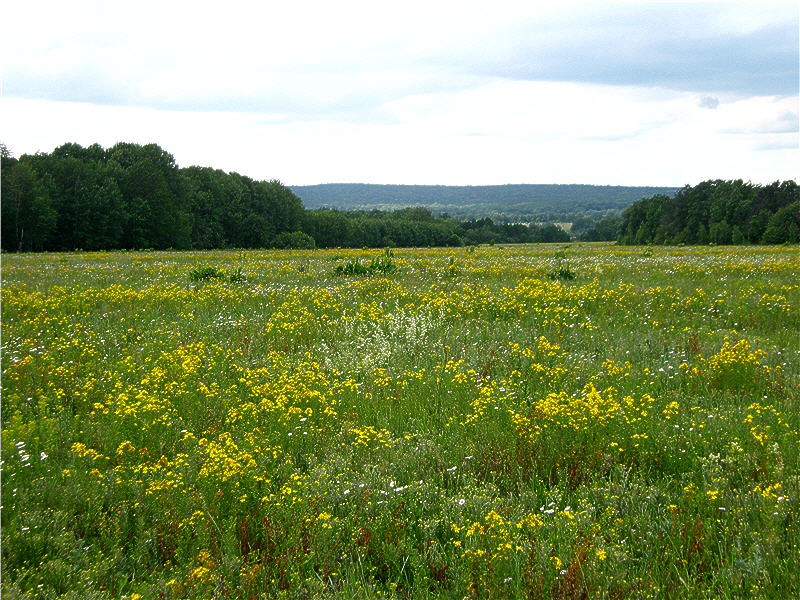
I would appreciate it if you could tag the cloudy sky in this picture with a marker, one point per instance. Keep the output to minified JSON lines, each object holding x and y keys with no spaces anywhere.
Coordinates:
{"x":612,"y":92}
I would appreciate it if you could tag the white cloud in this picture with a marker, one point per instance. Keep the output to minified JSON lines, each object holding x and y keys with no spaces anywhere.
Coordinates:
{"x":504,"y":132}
{"x":443,"y":92}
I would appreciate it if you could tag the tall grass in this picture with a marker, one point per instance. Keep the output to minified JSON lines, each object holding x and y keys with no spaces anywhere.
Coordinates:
{"x":460,"y":423}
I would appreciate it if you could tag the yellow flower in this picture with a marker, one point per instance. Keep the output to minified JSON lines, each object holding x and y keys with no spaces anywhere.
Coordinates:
{"x":556,"y":562}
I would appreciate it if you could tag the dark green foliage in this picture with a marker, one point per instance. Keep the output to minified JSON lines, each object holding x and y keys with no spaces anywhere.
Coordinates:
{"x":28,"y":216}
{"x":501,"y":203}
{"x":205,"y":273}
{"x":784,"y":226}
{"x":131,"y":196}
{"x":383,"y":263}
{"x":562,"y":272}
{"x":548,"y":234}
{"x":417,"y":228}
{"x":352,"y":267}
{"x":208,"y":273}
{"x":380,"y":264}
{"x":605,"y":230}
{"x":236,"y":275}
{"x":296,"y":240}
{"x":716,"y":212}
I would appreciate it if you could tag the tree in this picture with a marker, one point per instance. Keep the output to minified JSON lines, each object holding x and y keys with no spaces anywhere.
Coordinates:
{"x":157,"y":209}
{"x":720,"y":233}
{"x":27,"y":212}
{"x":784,"y":226}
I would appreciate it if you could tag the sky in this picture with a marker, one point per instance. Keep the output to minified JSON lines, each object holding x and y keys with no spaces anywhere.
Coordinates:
{"x":435,"y":92}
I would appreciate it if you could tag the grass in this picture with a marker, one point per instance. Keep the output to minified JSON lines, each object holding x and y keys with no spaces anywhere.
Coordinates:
{"x":464,"y":423}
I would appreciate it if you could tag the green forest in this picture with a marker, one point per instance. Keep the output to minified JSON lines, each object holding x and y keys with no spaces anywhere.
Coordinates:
{"x":511,"y":203}
{"x":714,"y":212}
{"x":134,"y":196}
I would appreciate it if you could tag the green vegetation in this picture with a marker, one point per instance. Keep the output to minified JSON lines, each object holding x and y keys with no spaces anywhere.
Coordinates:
{"x":208,"y":273}
{"x":135,"y":197}
{"x":502,"y":203}
{"x":716,"y":212}
{"x":417,"y":228}
{"x":463,"y":422}
{"x":380,"y":264}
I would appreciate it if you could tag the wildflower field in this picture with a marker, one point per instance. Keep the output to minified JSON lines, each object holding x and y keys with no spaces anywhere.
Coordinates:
{"x":580,"y":421}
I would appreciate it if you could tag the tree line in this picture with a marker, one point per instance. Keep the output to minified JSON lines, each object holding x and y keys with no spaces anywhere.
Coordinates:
{"x":712,"y":212}
{"x":502,"y":203}
{"x":132,"y":196}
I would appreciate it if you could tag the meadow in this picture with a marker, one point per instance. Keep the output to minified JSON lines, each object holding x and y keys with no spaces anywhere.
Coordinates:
{"x":543,"y":421}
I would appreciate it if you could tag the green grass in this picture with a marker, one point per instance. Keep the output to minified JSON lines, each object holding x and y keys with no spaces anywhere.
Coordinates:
{"x":467,"y":422}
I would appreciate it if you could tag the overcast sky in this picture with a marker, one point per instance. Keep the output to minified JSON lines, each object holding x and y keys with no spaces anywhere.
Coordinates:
{"x":469,"y":93}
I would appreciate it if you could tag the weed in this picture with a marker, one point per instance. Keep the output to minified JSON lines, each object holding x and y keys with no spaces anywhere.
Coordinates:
{"x":562,"y":272}
{"x":207,"y":273}
{"x":384,"y":263}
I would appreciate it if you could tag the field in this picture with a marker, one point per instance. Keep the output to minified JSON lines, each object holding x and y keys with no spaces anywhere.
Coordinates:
{"x":581,"y":421}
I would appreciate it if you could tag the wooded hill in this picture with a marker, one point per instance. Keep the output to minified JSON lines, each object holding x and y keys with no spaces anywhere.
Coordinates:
{"x":132,"y":197}
{"x":506,"y":203}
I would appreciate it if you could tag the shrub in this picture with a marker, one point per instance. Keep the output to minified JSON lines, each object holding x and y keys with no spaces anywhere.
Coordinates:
{"x":207,"y":273}
{"x":381,"y":264}
{"x":296,"y":240}
{"x":562,"y":272}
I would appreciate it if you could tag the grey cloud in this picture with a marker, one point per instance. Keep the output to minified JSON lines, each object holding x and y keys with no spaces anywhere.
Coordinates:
{"x":71,"y":86}
{"x":674,"y":46}
{"x":348,"y":97}
{"x":657,"y":45}
{"x":711,"y":102}
{"x":787,"y":122}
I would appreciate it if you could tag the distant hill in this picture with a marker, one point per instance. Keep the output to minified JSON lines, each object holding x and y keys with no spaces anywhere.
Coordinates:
{"x":503,"y":202}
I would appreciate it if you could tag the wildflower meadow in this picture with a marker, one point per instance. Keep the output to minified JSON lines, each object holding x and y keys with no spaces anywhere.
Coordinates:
{"x":534,"y":421}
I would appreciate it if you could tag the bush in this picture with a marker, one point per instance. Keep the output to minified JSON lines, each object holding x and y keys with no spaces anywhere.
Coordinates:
{"x":562,"y":272}
{"x":205,"y":273}
{"x":381,"y":264}
{"x":208,"y":273}
{"x":294,"y":240}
